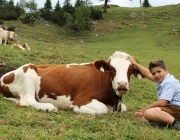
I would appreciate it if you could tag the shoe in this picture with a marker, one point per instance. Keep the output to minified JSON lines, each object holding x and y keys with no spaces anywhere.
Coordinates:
{"x":176,"y":125}
{"x":156,"y":124}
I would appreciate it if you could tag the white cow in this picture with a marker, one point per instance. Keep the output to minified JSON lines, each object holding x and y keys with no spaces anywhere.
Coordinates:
{"x":5,"y":36}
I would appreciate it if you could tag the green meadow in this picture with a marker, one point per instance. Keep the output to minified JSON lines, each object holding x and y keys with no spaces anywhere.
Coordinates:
{"x":144,"y":33}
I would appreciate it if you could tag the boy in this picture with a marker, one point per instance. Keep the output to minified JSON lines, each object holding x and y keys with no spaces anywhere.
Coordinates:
{"x":165,"y":111}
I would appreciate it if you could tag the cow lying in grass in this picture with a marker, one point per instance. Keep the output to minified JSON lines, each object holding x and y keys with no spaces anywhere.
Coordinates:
{"x":21,"y":47}
{"x":93,"y":88}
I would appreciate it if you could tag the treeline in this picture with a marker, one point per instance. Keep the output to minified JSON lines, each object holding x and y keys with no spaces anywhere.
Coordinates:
{"x":78,"y":17}
{"x":10,"y":12}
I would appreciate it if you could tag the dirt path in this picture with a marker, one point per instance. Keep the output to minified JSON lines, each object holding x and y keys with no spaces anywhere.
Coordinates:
{"x":4,"y":69}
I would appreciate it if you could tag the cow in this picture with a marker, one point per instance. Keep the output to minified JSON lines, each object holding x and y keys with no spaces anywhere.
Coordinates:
{"x":21,"y":47}
{"x":13,"y":40}
{"x":3,"y":27}
{"x":5,"y":36}
{"x":93,"y":88}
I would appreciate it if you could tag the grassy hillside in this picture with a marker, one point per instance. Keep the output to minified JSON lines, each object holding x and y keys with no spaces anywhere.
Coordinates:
{"x":145,"y":33}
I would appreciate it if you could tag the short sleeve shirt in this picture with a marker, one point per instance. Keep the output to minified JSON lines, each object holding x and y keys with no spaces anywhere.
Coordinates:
{"x":169,"y":89}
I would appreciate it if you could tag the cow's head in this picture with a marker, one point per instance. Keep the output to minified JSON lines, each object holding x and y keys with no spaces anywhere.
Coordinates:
{"x":124,"y":70}
{"x":25,"y":46}
{"x":11,"y":35}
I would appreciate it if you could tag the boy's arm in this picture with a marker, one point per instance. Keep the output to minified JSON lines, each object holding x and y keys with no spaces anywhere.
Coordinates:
{"x":159,"y":103}
{"x":141,"y":68}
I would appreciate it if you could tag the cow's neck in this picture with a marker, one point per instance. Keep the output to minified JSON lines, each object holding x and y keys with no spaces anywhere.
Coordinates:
{"x":117,"y":99}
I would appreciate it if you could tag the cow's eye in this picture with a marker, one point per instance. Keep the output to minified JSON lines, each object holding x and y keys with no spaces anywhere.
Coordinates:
{"x":111,"y":68}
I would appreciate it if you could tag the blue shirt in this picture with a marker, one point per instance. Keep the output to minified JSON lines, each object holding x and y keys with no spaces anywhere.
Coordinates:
{"x":169,"y":89}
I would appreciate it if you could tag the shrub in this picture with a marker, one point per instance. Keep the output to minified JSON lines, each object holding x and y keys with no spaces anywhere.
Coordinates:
{"x":58,"y":16}
{"x":45,"y":13}
{"x":11,"y":28}
{"x":96,"y":13}
{"x":10,"y":15}
{"x":80,"y":20}
{"x":10,"y":12}
{"x":31,"y":18}
{"x":1,"y":21}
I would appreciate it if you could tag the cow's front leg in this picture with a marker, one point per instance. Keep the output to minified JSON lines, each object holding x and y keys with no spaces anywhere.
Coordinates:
{"x":121,"y":107}
{"x":1,"y":41}
{"x":94,"y":107}
{"x":4,"y":42}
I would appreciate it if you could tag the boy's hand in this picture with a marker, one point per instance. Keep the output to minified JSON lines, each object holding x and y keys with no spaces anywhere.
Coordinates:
{"x":130,"y":58}
{"x":138,"y":114}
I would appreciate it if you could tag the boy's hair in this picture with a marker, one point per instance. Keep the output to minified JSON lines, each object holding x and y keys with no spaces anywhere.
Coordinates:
{"x":157,"y":63}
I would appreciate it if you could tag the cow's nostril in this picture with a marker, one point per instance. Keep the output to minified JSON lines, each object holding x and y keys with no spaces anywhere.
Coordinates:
{"x":122,"y":83}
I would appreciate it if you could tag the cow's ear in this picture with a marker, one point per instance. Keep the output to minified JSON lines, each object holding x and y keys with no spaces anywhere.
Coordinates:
{"x":102,"y":66}
{"x":136,"y":72}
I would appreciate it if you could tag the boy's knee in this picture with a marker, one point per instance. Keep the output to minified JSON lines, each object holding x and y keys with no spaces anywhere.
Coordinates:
{"x":148,"y":113}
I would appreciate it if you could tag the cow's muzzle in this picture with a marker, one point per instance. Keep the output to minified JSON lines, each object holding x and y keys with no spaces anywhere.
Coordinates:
{"x":122,"y":91}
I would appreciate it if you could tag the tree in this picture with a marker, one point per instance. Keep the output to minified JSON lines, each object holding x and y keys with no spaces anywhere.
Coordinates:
{"x":146,"y":3}
{"x":48,"y":5}
{"x":11,"y":2}
{"x":105,"y":5}
{"x":31,"y":5}
{"x":10,"y":12}
{"x":57,"y":7}
{"x":33,"y":14}
{"x":80,"y":20}
{"x":139,"y":2}
{"x":79,"y":3}
{"x":2,"y":3}
{"x":68,"y":7}
{"x":22,"y":3}
{"x":67,"y":2}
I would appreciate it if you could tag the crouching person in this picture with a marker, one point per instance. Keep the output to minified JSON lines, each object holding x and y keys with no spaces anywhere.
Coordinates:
{"x":166,"y":111}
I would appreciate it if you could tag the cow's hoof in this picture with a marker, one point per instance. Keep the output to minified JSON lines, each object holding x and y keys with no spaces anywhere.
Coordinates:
{"x":20,"y":105}
{"x":55,"y":110}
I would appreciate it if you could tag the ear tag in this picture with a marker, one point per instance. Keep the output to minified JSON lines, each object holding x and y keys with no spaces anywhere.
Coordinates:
{"x":101,"y":69}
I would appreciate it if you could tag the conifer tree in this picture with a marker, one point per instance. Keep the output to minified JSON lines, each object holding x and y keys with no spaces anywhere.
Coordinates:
{"x":11,"y":2}
{"x":57,"y":7}
{"x":68,"y":7}
{"x":2,"y":3}
{"x":48,"y":5}
{"x":79,"y":3}
{"x":146,"y":3}
{"x":22,"y":3}
{"x":66,"y":2}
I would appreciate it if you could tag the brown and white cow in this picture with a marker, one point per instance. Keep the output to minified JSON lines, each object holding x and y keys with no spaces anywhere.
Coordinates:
{"x":93,"y":88}
{"x":21,"y":47}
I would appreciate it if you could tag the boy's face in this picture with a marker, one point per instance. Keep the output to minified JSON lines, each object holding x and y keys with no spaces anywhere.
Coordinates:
{"x":158,"y":73}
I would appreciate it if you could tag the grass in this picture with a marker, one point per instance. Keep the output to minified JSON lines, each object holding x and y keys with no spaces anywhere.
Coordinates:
{"x":145,"y":33}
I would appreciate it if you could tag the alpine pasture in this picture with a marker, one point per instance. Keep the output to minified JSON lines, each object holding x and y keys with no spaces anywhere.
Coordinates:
{"x":145,"y":33}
